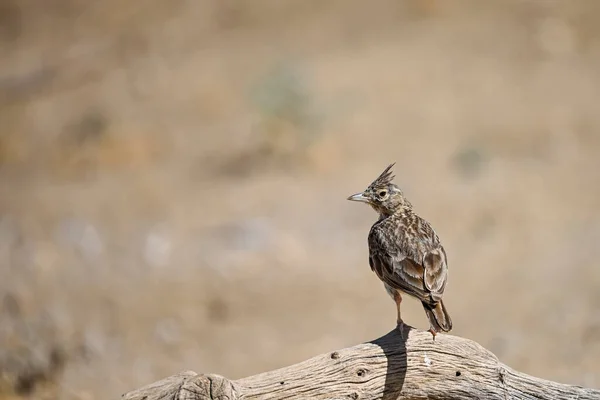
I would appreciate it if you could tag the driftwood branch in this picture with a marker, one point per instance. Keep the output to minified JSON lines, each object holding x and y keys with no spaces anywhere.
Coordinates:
{"x":451,"y":368}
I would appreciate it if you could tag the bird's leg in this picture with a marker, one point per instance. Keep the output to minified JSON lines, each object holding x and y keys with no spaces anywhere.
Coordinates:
{"x":398,"y":300}
{"x":399,"y":322}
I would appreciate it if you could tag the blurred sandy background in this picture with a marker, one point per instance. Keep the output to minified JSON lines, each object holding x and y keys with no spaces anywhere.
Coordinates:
{"x":173,"y":177}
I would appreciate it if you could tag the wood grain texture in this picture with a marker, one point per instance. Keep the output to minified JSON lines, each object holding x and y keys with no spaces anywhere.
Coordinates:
{"x":451,"y":368}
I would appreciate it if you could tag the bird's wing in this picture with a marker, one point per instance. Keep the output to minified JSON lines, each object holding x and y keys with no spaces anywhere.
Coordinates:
{"x":401,"y":269}
{"x":436,"y":271}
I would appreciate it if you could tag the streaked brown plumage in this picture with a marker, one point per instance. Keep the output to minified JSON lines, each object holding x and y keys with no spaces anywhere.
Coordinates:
{"x":405,"y":252}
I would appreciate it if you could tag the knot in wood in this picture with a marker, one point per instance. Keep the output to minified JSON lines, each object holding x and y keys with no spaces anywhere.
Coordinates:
{"x":361,"y":372}
{"x":209,"y":387}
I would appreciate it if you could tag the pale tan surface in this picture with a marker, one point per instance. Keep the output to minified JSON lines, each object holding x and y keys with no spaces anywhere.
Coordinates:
{"x":396,"y":366}
{"x":155,"y":217}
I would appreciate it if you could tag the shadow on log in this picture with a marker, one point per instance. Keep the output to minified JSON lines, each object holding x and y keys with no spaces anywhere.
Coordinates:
{"x":451,"y":368}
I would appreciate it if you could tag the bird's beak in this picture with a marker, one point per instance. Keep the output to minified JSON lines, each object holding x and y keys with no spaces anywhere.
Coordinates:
{"x":359,"y":197}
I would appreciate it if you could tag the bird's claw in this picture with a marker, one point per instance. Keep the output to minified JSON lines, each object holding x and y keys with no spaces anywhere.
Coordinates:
{"x":401,"y":326}
{"x":433,"y":333}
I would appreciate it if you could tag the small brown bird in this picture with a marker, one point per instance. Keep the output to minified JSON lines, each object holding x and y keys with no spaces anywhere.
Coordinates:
{"x":405,"y":252}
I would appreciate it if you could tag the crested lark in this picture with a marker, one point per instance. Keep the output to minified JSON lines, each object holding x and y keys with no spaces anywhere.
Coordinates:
{"x":405,"y":252}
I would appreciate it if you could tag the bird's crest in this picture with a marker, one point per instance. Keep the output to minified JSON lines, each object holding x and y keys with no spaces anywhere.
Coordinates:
{"x":385,"y":178}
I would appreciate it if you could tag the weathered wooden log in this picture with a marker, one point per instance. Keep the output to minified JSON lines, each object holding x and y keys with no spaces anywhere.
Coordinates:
{"x":391,"y":367}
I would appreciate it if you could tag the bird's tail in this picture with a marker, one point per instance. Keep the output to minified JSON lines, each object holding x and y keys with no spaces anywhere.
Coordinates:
{"x":438,"y":316}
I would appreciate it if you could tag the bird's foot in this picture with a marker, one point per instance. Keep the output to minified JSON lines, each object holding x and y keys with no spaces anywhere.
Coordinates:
{"x":433,"y":333}
{"x":402,"y":328}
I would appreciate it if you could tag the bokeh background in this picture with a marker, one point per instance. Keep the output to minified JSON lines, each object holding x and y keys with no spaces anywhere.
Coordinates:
{"x":174,"y":174}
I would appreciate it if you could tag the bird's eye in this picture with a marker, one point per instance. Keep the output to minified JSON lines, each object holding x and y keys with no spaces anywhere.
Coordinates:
{"x":382,"y":193}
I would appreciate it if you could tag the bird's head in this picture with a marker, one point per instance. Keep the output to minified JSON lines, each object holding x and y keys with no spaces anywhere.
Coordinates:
{"x":385,"y":197}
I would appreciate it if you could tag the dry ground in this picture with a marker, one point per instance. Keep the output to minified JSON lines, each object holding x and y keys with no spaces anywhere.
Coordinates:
{"x":173,"y":177}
